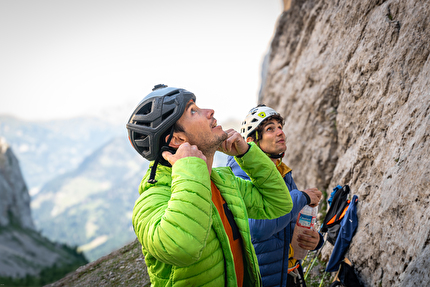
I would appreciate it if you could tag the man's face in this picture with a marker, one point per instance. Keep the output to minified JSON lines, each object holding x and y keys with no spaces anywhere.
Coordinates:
{"x":273,"y":139}
{"x":201,"y":129}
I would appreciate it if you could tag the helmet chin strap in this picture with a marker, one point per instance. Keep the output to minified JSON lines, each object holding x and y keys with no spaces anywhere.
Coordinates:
{"x":160,"y":158}
{"x":276,"y":156}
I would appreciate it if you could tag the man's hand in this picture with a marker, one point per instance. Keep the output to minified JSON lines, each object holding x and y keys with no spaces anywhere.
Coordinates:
{"x":309,"y":239}
{"x":315,"y":196}
{"x":184,"y":150}
{"x":234,"y":145}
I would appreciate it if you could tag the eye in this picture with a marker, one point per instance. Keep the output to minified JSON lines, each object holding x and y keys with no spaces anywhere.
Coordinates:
{"x":193,"y":111}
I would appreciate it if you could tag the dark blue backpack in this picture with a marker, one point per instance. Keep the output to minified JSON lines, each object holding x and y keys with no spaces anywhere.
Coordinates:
{"x":339,"y":204}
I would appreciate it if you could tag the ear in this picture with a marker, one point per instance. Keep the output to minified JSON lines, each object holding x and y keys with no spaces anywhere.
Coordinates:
{"x":177,"y":140}
{"x":249,"y":139}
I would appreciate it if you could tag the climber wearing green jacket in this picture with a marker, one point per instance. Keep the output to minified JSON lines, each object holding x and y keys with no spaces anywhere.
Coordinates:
{"x":192,"y":219}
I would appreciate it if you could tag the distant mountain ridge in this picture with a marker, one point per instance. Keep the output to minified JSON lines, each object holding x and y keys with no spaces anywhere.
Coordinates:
{"x":46,"y":149}
{"x":91,"y":206}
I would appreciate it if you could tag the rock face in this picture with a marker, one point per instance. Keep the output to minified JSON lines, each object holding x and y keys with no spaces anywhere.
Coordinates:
{"x":14,"y":197}
{"x":23,"y":251}
{"x":352,"y":79}
{"x":123,"y":267}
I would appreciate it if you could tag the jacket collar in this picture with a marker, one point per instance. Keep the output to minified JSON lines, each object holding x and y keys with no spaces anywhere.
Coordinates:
{"x":282,"y":168}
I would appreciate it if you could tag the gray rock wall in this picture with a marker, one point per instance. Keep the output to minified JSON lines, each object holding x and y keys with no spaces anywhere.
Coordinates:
{"x":14,"y":197}
{"x":23,"y":250}
{"x":352,"y":79}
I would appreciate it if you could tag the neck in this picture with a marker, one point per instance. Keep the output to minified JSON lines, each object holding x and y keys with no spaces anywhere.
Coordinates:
{"x":275,"y":160}
{"x":209,"y":154}
{"x":209,"y":162}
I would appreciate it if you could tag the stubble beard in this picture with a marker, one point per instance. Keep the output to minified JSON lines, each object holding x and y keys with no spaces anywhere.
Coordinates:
{"x":208,"y":146}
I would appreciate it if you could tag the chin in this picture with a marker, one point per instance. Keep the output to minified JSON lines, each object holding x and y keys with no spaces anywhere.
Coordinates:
{"x":221,"y":132}
{"x":224,"y":136}
{"x":282,"y":150}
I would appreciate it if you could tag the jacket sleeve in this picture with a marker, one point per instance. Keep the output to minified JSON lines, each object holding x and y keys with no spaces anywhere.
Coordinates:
{"x":266,"y":196}
{"x":321,"y":242}
{"x":263,"y":229}
{"x":235,"y":168}
{"x":173,"y":222}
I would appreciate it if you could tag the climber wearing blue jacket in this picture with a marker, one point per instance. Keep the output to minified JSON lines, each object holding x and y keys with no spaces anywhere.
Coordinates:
{"x":272,"y":237}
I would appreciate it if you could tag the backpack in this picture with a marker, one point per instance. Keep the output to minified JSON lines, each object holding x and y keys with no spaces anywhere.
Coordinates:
{"x":339,"y":204}
{"x":346,"y":276}
{"x":340,"y":224}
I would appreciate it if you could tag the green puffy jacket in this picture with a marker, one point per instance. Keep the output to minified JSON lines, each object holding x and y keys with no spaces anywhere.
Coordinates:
{"x":182,"y":235}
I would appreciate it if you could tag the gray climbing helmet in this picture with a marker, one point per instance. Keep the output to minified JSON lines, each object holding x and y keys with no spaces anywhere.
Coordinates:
{"x":154,"y":117}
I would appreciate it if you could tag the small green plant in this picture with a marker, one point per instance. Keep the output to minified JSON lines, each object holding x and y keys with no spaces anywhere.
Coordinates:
{"x":316,"y":276}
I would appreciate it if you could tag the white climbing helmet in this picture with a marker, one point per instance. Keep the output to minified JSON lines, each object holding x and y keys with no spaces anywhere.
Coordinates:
{"x":254,"y":118}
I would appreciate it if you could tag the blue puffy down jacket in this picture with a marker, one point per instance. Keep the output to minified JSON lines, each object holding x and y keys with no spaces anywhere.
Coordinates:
{"x":271,"y":237}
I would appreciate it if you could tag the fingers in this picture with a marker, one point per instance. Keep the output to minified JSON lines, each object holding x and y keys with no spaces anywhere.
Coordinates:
{"x":308,"y":240}
{"x":184,"y":150}
{"x":234,"y":144}
{"x":315,"y":196}
{"x":222,"y":147}
{"x":187,"y":150}
{"x":311,"y":233}
{"x":231,"y":138}
{"x":167,"y":156}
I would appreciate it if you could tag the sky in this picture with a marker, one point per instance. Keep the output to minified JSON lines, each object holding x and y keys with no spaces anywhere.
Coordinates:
{"x":61,"y":59}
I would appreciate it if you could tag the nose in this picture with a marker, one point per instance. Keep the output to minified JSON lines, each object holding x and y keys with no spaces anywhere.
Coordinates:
{"x":280,"y":132}
{"x":209,"y":113}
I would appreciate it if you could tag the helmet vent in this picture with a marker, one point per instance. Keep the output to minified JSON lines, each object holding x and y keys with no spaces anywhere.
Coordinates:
{"x":146,"y":109}
{"x":167,"y":114}
{"x":141,"y":141}
{"x":145,"y":124}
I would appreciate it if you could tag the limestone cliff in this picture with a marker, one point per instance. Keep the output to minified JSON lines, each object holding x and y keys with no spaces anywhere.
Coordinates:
{"x":353,"y":81}
{"x":23,"y":250}
{"x":14,"y":197}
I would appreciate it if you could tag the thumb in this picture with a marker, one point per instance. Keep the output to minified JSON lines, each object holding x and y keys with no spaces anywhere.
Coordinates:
{"x":167,"y":155}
